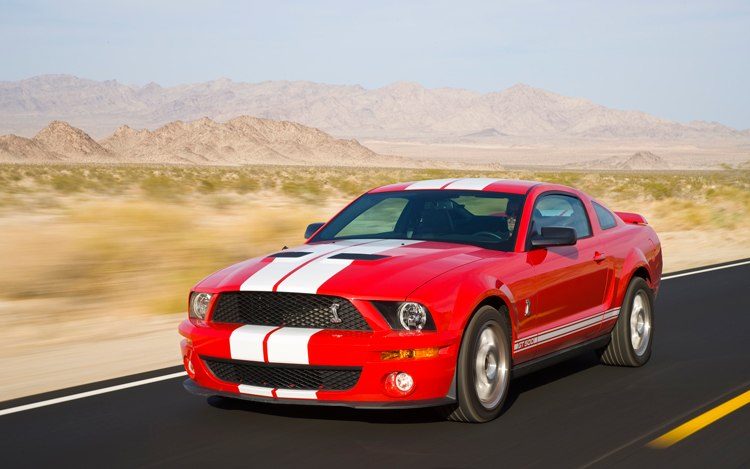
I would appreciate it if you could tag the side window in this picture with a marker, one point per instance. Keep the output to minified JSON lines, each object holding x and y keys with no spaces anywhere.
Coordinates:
{"x":606,"y":219}
{"x":560,"y":210}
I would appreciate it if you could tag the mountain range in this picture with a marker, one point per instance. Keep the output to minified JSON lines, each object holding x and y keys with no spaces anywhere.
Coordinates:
{"x":401,"y":111}
{"x":242,"y":140}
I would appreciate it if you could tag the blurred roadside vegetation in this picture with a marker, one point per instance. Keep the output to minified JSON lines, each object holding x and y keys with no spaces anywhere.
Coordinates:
{"x":77,"y":239}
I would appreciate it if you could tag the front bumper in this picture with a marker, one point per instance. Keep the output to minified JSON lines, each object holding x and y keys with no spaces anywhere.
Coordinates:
{"x":193,"y":388}
{"x":433,"y":377}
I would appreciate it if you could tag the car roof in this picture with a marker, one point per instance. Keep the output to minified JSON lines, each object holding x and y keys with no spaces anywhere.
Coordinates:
{"x":511,"y":186}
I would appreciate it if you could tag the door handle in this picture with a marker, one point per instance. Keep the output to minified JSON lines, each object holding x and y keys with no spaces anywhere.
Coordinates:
{"x":599,"y":256}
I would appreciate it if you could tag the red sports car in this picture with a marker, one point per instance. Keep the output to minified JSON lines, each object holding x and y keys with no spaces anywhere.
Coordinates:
{"x":429,"y":293}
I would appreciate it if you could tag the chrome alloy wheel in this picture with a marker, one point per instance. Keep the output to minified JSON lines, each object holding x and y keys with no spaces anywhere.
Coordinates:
{"x":640,"y":323}
{"x":491,"y":366}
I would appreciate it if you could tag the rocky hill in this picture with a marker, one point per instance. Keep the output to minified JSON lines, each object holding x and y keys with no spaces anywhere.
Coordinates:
{"x":242,"y":140}
{"x":19,"y":149}
{"x":69,"y":142}
{"x":58,"y":141}
{"x":401,"y":111}
{"x":639,"y":161}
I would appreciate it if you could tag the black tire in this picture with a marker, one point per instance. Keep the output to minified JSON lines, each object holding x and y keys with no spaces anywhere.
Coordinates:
{"x":621,"y":350}
{"x":470,"y":407}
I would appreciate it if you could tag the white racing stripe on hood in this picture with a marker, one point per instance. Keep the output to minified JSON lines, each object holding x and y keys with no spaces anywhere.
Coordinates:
{"x":429,"y":184}
{"x":309,"y":278}
{"x":476,"y":184}
{"x":269,"y":275}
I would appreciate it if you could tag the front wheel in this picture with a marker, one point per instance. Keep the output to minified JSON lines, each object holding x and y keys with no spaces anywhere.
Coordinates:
{"x":632,"y":337}
{"x":483,"y":368}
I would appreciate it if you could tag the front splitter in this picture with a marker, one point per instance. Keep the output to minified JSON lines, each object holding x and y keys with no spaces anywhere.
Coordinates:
{"x":192,"y":387}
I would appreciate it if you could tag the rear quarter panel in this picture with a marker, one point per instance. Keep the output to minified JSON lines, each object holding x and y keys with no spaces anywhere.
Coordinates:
{"x":632,"y":247}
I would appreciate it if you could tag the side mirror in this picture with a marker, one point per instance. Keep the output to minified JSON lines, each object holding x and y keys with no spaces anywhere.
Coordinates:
{"x":554,"y":236}
{"x":312,"y":228}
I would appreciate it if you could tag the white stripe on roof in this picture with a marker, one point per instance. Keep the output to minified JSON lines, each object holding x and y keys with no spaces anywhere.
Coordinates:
{"x":476,"y":184}
{"x":429,"y":184}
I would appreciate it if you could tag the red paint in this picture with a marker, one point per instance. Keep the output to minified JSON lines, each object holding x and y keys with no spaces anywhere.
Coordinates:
{"x":564,"y":285}
{"x":632,"y":218}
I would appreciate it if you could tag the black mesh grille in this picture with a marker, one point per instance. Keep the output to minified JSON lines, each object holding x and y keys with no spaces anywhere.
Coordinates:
{"x":287,"y":309}
{"x":284,"y":376}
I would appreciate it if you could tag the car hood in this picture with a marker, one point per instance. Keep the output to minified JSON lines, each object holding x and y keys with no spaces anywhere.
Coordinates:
{"x":373,"y":269}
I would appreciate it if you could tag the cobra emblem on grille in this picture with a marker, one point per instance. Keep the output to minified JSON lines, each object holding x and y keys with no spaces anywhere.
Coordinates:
{"x":334,"y":309}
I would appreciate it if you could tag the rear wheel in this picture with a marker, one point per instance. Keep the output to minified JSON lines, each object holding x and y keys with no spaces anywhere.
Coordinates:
{"x":632,"y":337}
{"x":483,"y":368}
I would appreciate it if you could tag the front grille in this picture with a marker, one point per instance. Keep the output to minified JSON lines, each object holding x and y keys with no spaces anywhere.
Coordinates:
{"x":287,"y":309}
{"x":284,"y":376}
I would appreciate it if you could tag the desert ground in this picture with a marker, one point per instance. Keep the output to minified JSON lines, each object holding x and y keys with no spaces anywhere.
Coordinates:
{"x":98,"y":259}
{"x":612,"y":154}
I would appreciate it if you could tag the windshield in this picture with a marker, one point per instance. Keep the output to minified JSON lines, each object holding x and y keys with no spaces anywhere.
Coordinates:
{"x":486,"y":219}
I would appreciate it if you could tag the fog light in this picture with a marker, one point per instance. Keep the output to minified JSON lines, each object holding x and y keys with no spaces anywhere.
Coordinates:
{"x":399,"y":384}
{"x":404,"y":382}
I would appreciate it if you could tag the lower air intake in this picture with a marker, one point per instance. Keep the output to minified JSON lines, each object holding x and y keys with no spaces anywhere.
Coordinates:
{"x":284,"y":376}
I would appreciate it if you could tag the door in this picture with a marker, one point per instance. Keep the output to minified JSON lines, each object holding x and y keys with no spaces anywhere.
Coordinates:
{"x":571,"y":281}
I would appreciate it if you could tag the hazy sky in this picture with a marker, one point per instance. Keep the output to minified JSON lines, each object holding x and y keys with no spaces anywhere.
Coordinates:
{"x":678,"y":60}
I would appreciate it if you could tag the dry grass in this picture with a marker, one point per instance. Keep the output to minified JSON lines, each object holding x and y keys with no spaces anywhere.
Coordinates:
{"x":97,"y":259}
{"x":83,"y":239}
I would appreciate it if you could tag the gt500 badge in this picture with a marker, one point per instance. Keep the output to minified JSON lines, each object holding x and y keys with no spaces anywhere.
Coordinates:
{"x":524,"y":343}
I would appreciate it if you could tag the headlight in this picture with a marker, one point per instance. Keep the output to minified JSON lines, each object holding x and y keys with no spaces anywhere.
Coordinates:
{"x":199,"y":305}
{"x":412,"y":316}
{"x":409,"y":316}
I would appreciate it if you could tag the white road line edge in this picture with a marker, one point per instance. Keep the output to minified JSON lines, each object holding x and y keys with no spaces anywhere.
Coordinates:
{"x":81,"y":395}
{"x":710,"y":269}
{"x":118,"y":387}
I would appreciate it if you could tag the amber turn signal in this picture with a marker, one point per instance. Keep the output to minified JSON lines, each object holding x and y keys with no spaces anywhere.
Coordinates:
{"x":410,"y":354}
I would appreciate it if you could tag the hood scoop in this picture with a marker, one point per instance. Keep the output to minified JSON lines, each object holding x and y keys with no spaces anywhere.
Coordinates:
{"x":289,"y":254}
{"x":353,"y":256}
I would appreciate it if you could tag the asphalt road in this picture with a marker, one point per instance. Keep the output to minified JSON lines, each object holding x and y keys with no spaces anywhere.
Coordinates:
{"x":575,"y":414}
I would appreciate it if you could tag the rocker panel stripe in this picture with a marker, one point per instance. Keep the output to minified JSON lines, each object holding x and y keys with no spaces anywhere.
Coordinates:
{"x":564,"y":330}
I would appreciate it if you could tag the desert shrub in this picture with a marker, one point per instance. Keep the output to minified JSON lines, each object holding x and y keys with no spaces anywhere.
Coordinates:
{"x":68,"y":183}
{"x":303,"y":187}
{"x":99,"y":232}
{"x":206,"y":186}
{"x":161,"y":187}
{"x":657,"y":190}
{"x":245,"y":183}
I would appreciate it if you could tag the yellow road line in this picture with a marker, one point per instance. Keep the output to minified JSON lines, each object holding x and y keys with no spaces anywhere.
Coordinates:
{"x":700,"y":422}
